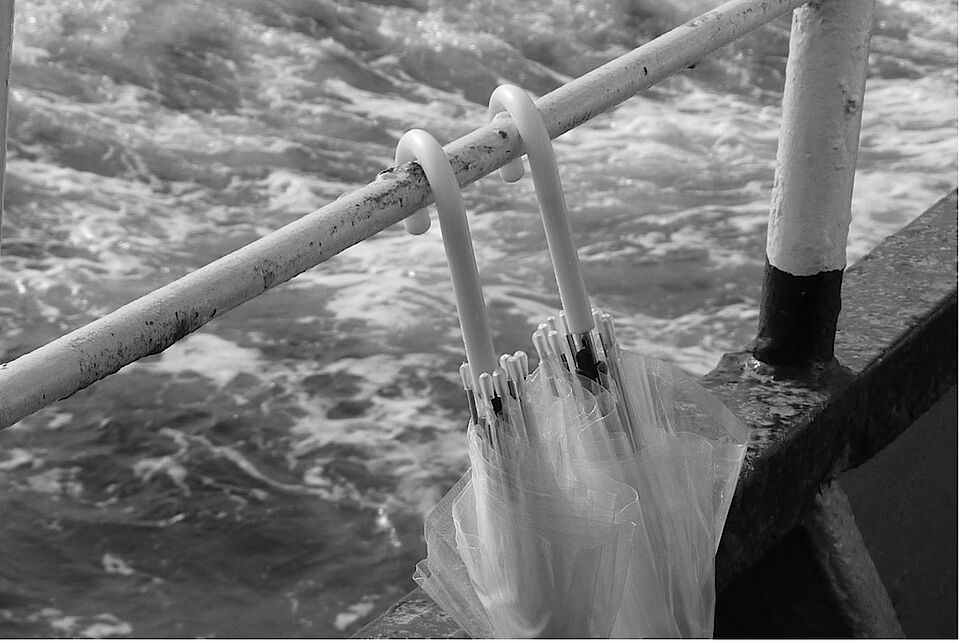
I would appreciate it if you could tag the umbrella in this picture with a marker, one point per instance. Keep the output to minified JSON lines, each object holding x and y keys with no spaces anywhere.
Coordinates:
{"x":519,"y":547}
{"x":681,"y":450}
{"x":663,"y":435}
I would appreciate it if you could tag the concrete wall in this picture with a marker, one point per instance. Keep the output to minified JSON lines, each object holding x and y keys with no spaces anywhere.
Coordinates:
{"x":905,"y":504}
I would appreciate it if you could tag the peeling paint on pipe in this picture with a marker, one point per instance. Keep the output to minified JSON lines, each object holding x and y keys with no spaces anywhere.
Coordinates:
{"x":819,"y":136}
{"x":813,"y":185}
{"x":155,"y":321}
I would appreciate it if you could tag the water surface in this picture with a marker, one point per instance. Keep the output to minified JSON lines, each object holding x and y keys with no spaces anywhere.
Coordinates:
{"x":268,"y":475}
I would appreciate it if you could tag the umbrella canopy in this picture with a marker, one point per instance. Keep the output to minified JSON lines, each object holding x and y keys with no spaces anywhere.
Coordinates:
{"x":598,"y":485}
{"x":663,"y":435}
{"x":681,"y":450}
{"x":520,"y":547}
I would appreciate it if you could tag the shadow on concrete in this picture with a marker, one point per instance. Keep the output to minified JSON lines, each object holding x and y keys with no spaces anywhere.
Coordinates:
{"x":904,"y":500}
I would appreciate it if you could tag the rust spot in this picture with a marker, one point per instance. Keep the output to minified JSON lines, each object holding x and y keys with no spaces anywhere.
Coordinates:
{"x":268,"y":272}
{"x":180,"y":330}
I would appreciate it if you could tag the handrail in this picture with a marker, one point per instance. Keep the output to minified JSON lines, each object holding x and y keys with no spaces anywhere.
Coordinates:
{"x":157,"y":320}
{"x":6,"y":55}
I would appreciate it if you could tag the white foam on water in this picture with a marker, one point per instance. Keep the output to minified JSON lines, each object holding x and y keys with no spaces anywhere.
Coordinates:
{"x":59,"y":420}
{"x":106,"y":626}
{"x":374,"y":296}
{"x":168,"y":465}
{"x":396,"y":281}
{"x":694,"y":341}
{"x":56,"y":481}
{"x":294,"y":193}
{"x":353,"y":613}
{"x":314,"y":482}
{"x":445,"y":118}
{"x":211,"y":356}
{"x":908,"y":156}
{"x":678,"y":177}
{"x":19,"y":458}
{"x":101,"y":625}
{"x":113,"y":564}
{"x":411,"y":463}
{"x":228,"y":453}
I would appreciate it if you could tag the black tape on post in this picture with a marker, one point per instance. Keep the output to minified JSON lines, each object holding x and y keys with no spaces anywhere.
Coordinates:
{"x":813,"y":185}
{"x":798,"y":317}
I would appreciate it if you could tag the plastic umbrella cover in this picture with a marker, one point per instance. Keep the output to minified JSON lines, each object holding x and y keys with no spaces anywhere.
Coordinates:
{"x":524,"y":546}
{"x":598,"y":487}
{"x":681,"y":449}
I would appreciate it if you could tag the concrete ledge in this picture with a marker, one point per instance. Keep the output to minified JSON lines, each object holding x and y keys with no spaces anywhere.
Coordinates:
{"x":415,"y":616}
{"x":912,"y":484}
{"x":896,"y":352}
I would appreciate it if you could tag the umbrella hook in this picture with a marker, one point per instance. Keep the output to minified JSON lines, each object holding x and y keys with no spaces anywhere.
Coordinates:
{"x":553,"y":212}
{"x":418,"y":145}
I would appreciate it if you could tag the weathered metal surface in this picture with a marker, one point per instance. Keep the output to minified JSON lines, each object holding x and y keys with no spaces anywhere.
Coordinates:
{"x":415,"y":616}
{"x":897,"y":351}
{"x":798,"y":317}
{"x":6,"y":54}
{"x":819,"y":581}
{"x":819,"y":136}
{"x":902,"y":295}
{"x":155,"y":321}
{"x":813,"y":183}
{"x":905,"y":503}
{"x":854,"y":583}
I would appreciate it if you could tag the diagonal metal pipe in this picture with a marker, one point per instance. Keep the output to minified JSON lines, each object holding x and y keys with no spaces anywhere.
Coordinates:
{"x":6,"y":54}
{"x":157,"y":320}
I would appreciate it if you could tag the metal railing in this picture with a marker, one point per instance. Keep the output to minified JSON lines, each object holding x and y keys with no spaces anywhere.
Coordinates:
{"x":826,"y":83}
{"x":6,"y":55}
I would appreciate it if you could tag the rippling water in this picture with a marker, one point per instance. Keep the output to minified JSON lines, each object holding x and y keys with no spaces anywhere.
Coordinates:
{"x":268,"y":475}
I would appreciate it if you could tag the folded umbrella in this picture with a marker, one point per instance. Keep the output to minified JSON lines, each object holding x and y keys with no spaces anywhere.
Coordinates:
{"x":681,"y":450}
{"x":663,"y":435}
{"x":519,"y":547}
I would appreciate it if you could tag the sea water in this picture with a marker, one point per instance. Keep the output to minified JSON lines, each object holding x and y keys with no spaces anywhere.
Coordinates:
{"x":269,"y":474}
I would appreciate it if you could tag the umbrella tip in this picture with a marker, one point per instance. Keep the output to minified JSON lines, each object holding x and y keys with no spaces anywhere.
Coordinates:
{"x":524,"y":362}
{"x":466,"y":376}
{"x":418,"y":222}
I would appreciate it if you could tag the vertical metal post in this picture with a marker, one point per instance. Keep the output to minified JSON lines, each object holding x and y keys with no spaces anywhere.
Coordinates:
{"x":813,"y":184}
{"x":6,"y":53}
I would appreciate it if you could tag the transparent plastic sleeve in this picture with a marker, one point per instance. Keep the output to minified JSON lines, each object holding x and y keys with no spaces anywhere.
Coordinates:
{"x":525,"y":546}
{"x":601,"y":519}
{"x":682,"y":452}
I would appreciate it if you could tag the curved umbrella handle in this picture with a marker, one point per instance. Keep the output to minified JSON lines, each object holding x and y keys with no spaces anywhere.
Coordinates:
{"x":420,"y":146}
{"x":553,"y":208}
